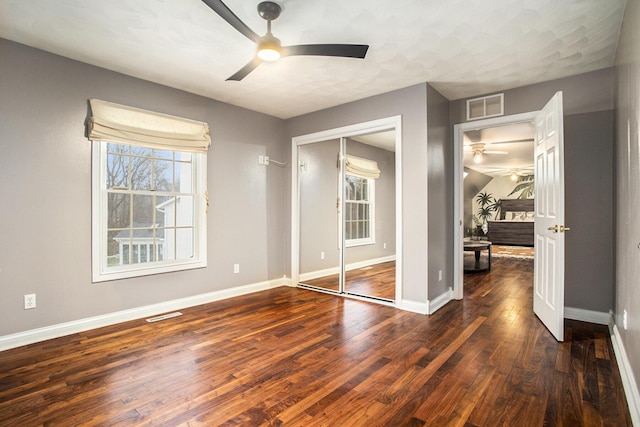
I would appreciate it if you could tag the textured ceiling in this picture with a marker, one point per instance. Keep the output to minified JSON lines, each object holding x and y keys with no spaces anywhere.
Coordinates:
{"x":462,"y":47}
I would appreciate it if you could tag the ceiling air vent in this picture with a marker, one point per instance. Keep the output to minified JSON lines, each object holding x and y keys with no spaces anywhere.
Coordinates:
{"x":487,"y":106}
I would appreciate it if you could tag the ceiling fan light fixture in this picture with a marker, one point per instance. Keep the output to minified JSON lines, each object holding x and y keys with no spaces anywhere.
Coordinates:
{"x":269,"y":48}
{"x":477,"y":157}
{"x":514,"y":176}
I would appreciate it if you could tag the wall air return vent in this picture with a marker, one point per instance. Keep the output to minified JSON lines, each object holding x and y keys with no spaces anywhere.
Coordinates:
{"x":487,"y":106}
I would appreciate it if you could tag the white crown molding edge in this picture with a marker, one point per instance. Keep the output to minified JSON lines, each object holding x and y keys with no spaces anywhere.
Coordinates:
{"x":61,"y":329}
{"x":628,"y":380}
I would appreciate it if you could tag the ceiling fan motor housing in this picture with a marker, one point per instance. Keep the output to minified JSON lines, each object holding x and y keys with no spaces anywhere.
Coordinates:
{"x":269,"y":10}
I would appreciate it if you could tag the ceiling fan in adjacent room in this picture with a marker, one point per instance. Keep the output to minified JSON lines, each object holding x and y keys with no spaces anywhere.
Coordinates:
{"x":513,"y":172}
{"x":269,"y":47}
{"x":479,"y":151}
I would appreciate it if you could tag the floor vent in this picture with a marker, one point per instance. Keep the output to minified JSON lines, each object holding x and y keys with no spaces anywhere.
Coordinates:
{"x":164,"y":316}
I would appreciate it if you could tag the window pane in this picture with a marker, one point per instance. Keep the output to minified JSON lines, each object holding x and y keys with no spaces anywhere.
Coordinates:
{"x":159,"y":243}
{"x":184,"y":211}
{"x":143,"y":209}
{"x":143,"y":253}
{"x":163,"y":154}
{"x":118,"y":148}
{"x":169,"y":246}
{"x":184,"y":243}
{"x":117,"y":171}
{"x":118,"y":210}
{"x":141,"y":151}
{"x":126,"y":254}
{"x":141,"y":173}
{"x":162,"y":175}
{"x":165,"y":211}
{"x":115,"y":240}
{"x":183,"y":177}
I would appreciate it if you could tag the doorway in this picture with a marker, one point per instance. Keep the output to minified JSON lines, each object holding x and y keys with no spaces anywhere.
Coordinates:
{"x":473,"y":141}
{"x":549,"y":227}
{"x":346,"y":211}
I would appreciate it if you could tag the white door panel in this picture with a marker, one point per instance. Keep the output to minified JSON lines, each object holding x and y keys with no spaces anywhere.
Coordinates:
{"x":548,"y":298}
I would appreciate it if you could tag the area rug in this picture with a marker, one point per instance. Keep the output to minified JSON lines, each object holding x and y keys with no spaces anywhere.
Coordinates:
{"x":501,"y":251}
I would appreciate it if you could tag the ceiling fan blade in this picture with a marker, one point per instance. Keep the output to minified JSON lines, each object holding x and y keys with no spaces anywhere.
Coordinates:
{"x":510,"y":141}
{"x":226,"y":14}
{"x":342,"y":50}
{"x":244,"y":71}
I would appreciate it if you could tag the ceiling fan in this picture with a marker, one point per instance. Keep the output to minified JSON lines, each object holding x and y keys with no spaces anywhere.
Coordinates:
{"x":513,"y":172}
{"x":269,"y":47}
{"x":478,"y":150}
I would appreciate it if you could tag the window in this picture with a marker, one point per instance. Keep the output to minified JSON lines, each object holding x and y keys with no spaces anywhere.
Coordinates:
{"x":149,"y":211}
{"x":149,"y":192}
{"x":358,"y":211}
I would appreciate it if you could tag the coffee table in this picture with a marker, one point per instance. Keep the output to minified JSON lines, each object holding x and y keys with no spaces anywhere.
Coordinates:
{"x":477,"y":246}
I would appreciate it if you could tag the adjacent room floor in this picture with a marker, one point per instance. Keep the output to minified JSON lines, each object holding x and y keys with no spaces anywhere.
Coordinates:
{"x":290,"y":356}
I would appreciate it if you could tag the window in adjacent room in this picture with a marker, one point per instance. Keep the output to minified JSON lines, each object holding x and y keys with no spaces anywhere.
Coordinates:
{"x":149,"y":192}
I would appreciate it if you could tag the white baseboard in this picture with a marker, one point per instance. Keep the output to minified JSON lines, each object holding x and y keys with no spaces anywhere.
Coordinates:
{"x":75,"y":326}
{"x":413,"y":306}
{"x":352,"y":266}
{"x":628,"y":380}
{"x":590,"y":316}
{"x":440,"y":301}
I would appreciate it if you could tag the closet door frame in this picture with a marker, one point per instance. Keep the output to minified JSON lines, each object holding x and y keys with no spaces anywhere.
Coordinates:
{"x":385,"y":124}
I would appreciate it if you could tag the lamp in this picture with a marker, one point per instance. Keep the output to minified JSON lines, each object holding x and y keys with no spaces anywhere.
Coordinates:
{"x":269,"y":47}
{"x":477,"y":157}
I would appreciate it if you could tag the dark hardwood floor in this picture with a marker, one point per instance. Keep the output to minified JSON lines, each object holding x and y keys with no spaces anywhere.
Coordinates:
{"x":378,"y":281}
{"x":290,"y":356}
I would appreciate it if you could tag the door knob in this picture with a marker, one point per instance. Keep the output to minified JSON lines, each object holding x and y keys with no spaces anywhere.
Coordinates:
{"x":554,"y":228}
{"x":559,"y":228}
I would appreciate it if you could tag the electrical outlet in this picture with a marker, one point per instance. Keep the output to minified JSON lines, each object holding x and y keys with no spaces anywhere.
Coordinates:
{"x":384,"y":246}
{"x":236,"y":268}
{"x":321,"y":255}
{"x":261,"y":160}
{"x":440,"y":275}
{"x":624,"y":319}
{"x":29,"y":301}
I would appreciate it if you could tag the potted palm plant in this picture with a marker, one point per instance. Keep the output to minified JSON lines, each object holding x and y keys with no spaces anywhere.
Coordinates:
{"x":487,"y":206}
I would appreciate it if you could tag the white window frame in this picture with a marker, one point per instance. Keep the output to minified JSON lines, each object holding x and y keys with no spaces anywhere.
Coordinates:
{"x":101,"y":272}
{"x":372,"y":209}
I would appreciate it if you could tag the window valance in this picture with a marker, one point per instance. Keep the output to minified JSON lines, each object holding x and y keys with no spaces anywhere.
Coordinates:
{"x":128,"y":125}
{"x":363,"y":168}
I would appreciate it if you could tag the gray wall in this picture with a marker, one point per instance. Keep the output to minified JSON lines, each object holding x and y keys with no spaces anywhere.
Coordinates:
{"x":411,"y":104}
{"x":45,"y":183}
{"x":588,"y":136}
{"x":440,"y":193}
{"x":627,"y":296}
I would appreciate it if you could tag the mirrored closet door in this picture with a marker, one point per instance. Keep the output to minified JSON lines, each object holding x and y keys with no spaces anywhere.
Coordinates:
{"x":347,"y":215}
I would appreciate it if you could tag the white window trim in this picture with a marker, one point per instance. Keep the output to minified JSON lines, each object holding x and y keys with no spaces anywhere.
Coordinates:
{"x":371,"y":240}
{"x":100,"y":271}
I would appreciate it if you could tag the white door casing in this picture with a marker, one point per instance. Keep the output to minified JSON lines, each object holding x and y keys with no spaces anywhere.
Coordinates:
{"x":548,"y":287}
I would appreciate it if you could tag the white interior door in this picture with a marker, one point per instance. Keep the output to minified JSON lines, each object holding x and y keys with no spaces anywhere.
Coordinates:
{"x":548,"y":295}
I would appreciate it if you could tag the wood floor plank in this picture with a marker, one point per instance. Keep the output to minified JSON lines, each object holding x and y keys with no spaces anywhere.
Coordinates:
{"x":294,"y":357}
